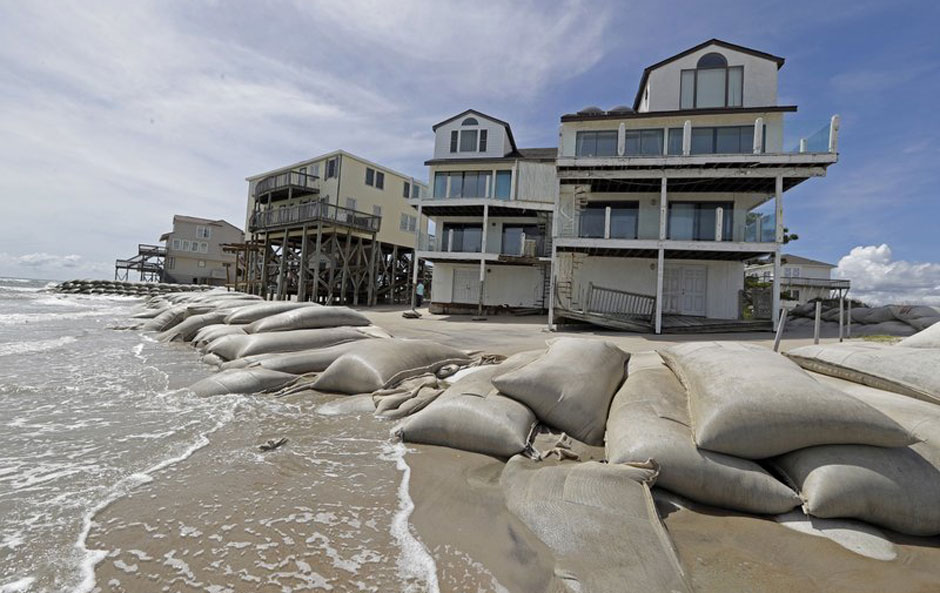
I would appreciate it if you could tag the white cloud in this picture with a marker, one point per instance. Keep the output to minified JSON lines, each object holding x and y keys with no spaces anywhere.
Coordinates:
{"x":879,"y":279}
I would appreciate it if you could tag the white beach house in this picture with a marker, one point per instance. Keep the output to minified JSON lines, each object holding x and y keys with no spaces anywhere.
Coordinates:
{"x":660,"y":203}
{"x":492,"y":204}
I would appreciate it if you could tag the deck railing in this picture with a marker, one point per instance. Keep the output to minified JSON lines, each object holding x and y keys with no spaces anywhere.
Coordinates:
{"x":287,"y":179}
{"x":831,"y":283}
{"x":314,"y":212}
{"x":618,"y":303}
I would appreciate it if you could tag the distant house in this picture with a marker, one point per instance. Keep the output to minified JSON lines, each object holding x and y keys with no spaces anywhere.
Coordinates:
{"x":801,"y":280}
{"x":492,"y":204}
{"x":335,"y":228}
{"x":194,"y":252}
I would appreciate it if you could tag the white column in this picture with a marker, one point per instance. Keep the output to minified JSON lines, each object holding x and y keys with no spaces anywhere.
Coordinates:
{"x":663,"y":209}
{"x":834,"y":134}
{"x":758,"y":135}
{"x":660,"y":263}
{"x":414,"y":270}
{"x":607,"y":222}
{"x":778,"y":237}
{"x":687,"y":138}
{"x":486,"y":224}
{"x":621,"y":139}
{"x":719,"y":223}
{"x":513,"y":183}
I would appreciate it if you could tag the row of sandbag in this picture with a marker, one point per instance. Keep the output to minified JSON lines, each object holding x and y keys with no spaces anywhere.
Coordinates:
{"x":109,"y":287}
{"x":892,"y":320}
{"x":262,"y":346}
{"x":738,"y":426}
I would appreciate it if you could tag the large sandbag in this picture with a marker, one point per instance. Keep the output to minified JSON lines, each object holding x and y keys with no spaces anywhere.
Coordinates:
{"x":235,"y":346}
{"x":894,"y":487}
{"x":186,"y":330}
{"x":921,"y":323}
{"x":649,"y":419}
{"x":168,"y":318}
{"x":298,"y":363}
{"x":252,"y":313}
{"x":909,"y":371}
{"x":210,"y":333}
{"x":926,"y":338}
{"x":570,"y":386}
{"x":253,"y":380}
{"x":600,"y":522}
{"x":874,"y":315}
{"x":471,"y":415}
{"x":751,"y":402}
{"x":378,"y":364}
{"x":308,"y":318}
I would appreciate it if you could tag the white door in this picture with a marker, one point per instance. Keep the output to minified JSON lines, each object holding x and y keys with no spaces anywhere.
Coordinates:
{"x":684,"y":289}
{"x":467,"y":285}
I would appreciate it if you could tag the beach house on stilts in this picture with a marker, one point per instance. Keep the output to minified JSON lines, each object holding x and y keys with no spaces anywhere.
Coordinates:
{"x":661,"y":202}
{"x":492,"y":204}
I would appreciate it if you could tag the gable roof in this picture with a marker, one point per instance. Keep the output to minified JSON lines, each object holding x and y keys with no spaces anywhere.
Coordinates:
{"x":718,"y":42}
{"x":512,"y":140}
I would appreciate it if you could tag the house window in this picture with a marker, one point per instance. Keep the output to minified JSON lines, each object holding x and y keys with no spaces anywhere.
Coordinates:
{"x":503,"y":185}
{"x":331,"y":168}
{"x":370,"y":176}
{"x":406,"y":190}
{"x":624,"y":218}
{"x":376,"y":210}
{"x":204,"y":247}
{"x":603,"y":143}
{"x":351,"y":203}
{"x":403,"y":223}
{"x":453,"y":141}
{"x":482,"y":140}
{"x":512,"y":237}
{"x":201,"y":263}
{"x":186,"y":245}
{"x":463,"y":237}
{"x":717,"y":140}
{"x":711,"y":84}
{"x":695,"y":221}
{"x":440,"y":185}
{"x":176,"y":244}
{"x":195,"y":246}
{"x":643,"y":142}
{"x":468,"y":141}
{"x":415,"y":191}
{"x":470,"y":121}
{"x":412,"y":223}
{"x":315,"y":169}
{"x":203,"y":232}
{"x":379,"y":180}
{"x":464,"y":184}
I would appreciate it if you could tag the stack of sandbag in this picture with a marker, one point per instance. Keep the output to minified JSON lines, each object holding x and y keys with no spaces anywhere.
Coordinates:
{"x":570,"y":386}
{"x":306,"y":318}
{"x":298,"y":363}
{"x":911,"y":371}
{"x":649,"y":419}
{"x":380,"y":364}
{"x":890,"y":320}
{"x":750,"y":402}
{"x":600,"y":523}
{"x":232,"y":346}
{"x":928,"y":337}
{"x":209,"y":333}
{"x":473,"y":416}
{"x":252,"y":313}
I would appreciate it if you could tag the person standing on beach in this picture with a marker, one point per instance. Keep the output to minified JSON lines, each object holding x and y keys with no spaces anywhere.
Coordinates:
{"x":419,"y":293}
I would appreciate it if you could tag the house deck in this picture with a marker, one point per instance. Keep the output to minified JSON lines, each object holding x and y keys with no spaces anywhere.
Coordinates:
{"x":672,"y":324}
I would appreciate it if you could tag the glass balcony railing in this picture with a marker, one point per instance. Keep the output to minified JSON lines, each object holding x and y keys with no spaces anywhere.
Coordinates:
{"x":760,"y":228}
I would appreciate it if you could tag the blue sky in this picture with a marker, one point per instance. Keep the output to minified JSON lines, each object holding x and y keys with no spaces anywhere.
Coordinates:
{"x":116,"y":115}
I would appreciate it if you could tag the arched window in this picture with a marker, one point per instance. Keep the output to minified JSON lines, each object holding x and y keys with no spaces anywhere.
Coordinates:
{"x":712,"y":60}
{"x":712,"y":84}
{"x":470,"y":121}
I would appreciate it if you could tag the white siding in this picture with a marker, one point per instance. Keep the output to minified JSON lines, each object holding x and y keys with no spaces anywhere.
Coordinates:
{"x":536,"y":182}
{"x":760,"y":79}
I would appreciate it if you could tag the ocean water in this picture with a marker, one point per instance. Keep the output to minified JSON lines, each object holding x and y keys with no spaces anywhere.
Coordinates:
{"x":114,"y":477}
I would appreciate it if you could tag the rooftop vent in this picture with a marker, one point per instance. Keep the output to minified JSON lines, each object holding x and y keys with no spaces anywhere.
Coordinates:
{"x":592,"y":110}
{"x":621,"y":109}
